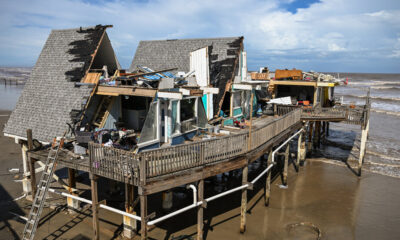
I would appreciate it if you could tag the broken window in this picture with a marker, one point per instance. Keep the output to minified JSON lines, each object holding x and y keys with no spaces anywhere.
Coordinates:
{"x":201,"y":115}
{"x":150,"y":127}
{"x":188,"y":113}
{"x":174,"y":118}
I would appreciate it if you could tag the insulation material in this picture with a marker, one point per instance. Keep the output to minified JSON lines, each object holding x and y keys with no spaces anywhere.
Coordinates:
{"x":199,"y":62}
{"x":283,"y":101}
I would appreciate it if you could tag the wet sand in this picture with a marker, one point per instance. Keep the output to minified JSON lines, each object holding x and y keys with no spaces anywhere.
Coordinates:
{"x":331,"y":197}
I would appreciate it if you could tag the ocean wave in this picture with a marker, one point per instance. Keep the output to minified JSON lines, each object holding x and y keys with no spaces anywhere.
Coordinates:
{"x":373,"y":97}
{"x":386,"y":88}
{"x":386,"y":112}
{"x":375,"y":83}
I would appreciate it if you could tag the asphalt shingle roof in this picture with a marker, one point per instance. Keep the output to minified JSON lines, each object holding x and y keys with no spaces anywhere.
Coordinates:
{"x":163,"y":54}
{"x":50,"y":93}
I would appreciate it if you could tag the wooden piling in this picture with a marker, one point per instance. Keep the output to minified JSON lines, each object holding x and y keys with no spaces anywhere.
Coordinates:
{"x":243,"y":208}
{"x":317,"y":134}
{"x":268,"y":181}
{"x":95,"y":206}
{"x":285,"y":167}
{"x":327,"y":129}
{"x":143,"y":216}
{"x":71,"y":179}
{"x":310,"y":136}
{"x":200,"y":210}
{"x":299,"y":150}
{"x":364,"y":137}
{"x":129,"y":223}
{"x":31,"y":162}
{"x":72,"y":203}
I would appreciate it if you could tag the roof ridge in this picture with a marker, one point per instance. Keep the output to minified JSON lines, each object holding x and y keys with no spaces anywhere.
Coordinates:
{"x":189,"y":39}
{"x":80,"y":28}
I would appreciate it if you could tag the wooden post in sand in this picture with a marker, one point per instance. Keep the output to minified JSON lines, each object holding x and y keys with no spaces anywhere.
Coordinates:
{"x":364,"y":137}
{"x":285,"y":167}
{"x":72,"y":203}
{"x":95,"y":206}
{"x":243,"y":208}
{"x":31,"y":162}
{"x":310,"y":136}
{"x":299,"y":150}
{"x":200,"y":210}
{"x":268,"y":181}
{"x":129,"y":223}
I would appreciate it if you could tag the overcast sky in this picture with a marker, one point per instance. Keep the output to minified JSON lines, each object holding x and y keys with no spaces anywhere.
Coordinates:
{"x":328,"y":35}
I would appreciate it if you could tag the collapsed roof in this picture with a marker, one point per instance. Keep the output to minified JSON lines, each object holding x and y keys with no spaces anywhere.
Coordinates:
{"x":50,"y":94}
{"x":223,"y":55}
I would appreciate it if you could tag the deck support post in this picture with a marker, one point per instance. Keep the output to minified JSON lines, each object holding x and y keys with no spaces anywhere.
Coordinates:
{"x":299,"y":150}
{"x":200,"y":210}
{"x":95,"y":206}
{"x":268,"y":181}
{"x":26,"y":185}
{"x":72,"y":203}
{"x":364,"y":137}
{"x":303,"y":150}
{"x":143,"y":215}
{"x":129,"y":223}
{"x":285,"y":167}
{"x":31,"y":163}
{"x":327,"y":129}
{"x":317,"y":134}
{"x":167,"y":200}
{"x":310,"y":136}
{"x":243,"y":208}
{"x":323,"y":131}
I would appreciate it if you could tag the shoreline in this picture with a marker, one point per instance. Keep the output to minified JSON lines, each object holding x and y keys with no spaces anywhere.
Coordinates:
{"x":331,"y":197}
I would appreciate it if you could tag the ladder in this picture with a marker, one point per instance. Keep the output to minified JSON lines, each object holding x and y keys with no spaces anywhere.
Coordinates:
{"x":103,"y":111}
{"x":40,"y":197}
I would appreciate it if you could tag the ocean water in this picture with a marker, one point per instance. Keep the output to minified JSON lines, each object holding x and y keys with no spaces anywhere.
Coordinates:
{"x":383,"y":145}
{"x":9,"y":94}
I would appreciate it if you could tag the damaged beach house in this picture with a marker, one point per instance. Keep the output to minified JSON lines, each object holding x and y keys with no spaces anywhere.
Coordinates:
{"x":185,"y":110}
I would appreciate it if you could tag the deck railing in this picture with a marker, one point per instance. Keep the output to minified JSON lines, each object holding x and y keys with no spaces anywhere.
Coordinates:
{"x":119,"y":164}
{"x":350,"y":115}
{"x":113,"y":163}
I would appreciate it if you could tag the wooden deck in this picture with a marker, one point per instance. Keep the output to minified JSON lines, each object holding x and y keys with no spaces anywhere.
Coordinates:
{"x":212,"y":156}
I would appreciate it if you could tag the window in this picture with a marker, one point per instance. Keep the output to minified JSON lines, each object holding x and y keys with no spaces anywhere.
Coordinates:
{"x":174,"y":128}
{"x":150,"y":127}
{"x":188,"y":113}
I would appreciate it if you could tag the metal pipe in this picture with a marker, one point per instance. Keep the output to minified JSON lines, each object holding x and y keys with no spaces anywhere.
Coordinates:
{"x":261,"y":174}
{"x":100,"y":205}
{"x":226,"y":193}
{"x":283,"y":144}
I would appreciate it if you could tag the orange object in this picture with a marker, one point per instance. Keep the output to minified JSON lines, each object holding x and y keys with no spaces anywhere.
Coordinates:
{"x":293,"y":74}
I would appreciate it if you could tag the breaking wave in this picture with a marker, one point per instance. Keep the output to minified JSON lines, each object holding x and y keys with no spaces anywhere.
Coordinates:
{"x":386,"y":112}
{"x":373,"y":97}
{"x":385,"y":88}
{"x":375,"y":83}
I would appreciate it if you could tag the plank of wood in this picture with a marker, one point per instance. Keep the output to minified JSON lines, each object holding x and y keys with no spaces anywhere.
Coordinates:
{"x":116,"y":91}
{"x":293,"y":83}
{"x":92,"y":77}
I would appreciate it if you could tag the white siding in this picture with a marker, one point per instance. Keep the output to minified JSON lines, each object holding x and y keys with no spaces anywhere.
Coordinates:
{"x":200,"y":63}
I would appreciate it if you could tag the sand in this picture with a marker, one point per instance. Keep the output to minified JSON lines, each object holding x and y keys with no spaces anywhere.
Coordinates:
{"x":332,"y":198}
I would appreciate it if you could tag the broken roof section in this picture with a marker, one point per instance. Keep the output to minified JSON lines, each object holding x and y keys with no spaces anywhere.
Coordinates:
{"x":223,"y":55}
{"x":50,"y":93}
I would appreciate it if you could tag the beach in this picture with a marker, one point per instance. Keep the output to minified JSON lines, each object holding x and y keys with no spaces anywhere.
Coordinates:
{"x":324,"y":195}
